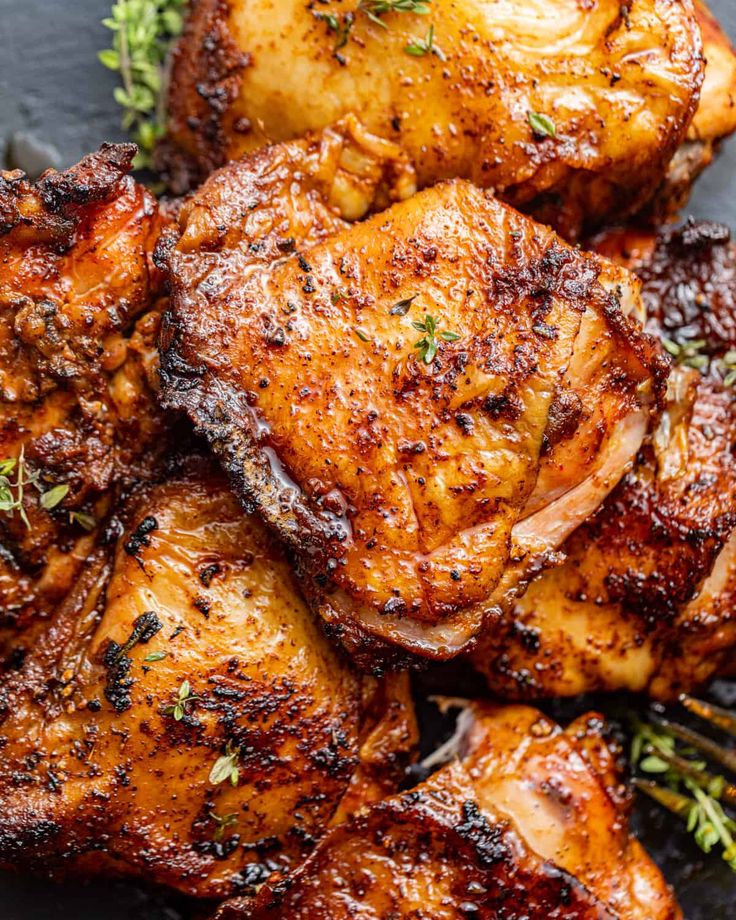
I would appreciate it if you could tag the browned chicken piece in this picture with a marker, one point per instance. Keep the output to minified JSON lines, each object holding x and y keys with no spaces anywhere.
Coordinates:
{"x":571,"y":111}
{"x":530,"y":821}
{"x":183,"y":718}
{"x":647,"y":597}
{"x":423,"y":405}
{"x":715,"y":118}
{"x":78,"y":367}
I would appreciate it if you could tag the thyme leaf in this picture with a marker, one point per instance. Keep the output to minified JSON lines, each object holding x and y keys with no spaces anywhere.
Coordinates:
{"x":421,"y":46}
{"x":374,"y":9}
{"x":223,"y":822}
{"x":226,"y":766}
{"x":184,"y":698}
{"x":86,"y":521}
{"x":428,"y":344}
{"x":689,"y":791}
{"x":143,"y":31}
{"x":12,"y":493}
{"x":542,"y":125}
{"x":401,"y":308}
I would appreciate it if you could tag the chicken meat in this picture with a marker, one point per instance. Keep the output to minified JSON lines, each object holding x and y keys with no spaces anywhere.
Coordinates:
{"x":529,"y":821}
{"x":571,"y":111}
{"x":646,"y":597}
{"x":78,"y":368}
{"x":423,"y":405}
{"x":182,"y":717}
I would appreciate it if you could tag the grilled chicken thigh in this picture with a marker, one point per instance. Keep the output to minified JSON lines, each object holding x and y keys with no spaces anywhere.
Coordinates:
{"x":529,"y":822}
{"x":423,"y":405}
{"x":569,"y":110}
{"x":182,"y":717}
{"x":78,"y":358}
{"x":646,"y":598}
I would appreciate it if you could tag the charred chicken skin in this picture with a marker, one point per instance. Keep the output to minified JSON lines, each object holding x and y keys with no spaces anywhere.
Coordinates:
{"x":530,"y":821}
{"x":78,"y":367}
{"x":646,"y":598}
{"x":183,"y":718}
{"x":422,"y":405}
{"x":571,"y":111}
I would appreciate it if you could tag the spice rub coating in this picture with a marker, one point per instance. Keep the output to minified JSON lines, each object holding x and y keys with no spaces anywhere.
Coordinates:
{"x":645,"y":599}
{"x":529,"y":821}
{"x":422,"y":405}
{"x":79,"y":318}
{"x":183,"y":718}
{"x":618,"y":85}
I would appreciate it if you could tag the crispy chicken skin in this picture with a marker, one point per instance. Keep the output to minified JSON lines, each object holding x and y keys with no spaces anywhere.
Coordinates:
{"x":99,"y":773}
{"x":78,"y":362}
{"x":417,"y":496}
{"x":530,"y":821}
{"x":646,"y":598}
{"x":620,"y":83}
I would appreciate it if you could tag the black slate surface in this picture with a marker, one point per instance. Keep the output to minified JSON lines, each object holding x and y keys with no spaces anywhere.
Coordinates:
{"x":56,"y":98}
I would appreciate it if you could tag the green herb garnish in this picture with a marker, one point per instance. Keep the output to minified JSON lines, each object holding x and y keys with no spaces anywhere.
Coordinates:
{"x":340,"y":25}
{"x":226,"y":767}
{"x":374,"y":9}
{"x":429,"y":344}
{"x":184,"y":698}
{"x":143,"y":31}
{"x":401,"y":308}
{"x":690,"y":790}
{"x":155,"y":656}
{"x":421,"y":46}
{"x":85,"y":521}
{"x":12,"y":492}
{"x":728,"y":368}
{"x":687,"y":352}
{"x":362,"y":334}
{"x":223,"y":822}
{"x":542,"y":125}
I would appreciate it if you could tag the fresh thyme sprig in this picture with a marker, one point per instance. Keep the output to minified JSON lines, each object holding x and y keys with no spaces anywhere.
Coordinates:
{"x":184,"y":698}
{"x":428,"y":345}
{"x":226,"y":766}
{"x":687,"y":352}
{"x":728,"y":368}
{"x":374,"y":9}
{"x":421,"y":46}
{"x":143,"y":31}
{"x":691,"y":353}
{"x":12,"y":492}
{"x":691,"y":791}
{"x":341,"y":25}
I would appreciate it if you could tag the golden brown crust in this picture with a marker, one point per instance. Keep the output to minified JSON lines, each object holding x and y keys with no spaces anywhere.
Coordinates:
{"x":645,"y":598}
{"x":78,"y":328}
{"x":95,"y":756}
{"x":399,"y":483}
{"x":619,"y":81}
{"x":521,"y":826}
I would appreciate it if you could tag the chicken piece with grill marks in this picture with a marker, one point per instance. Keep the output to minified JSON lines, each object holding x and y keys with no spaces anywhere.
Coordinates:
{"x":529,"y":821}
{"x":78,"y":367}
{"x":646,"y":598}
{"x":183,"y":718}
{"x":571,"y":111}
{"x":423,"y":405}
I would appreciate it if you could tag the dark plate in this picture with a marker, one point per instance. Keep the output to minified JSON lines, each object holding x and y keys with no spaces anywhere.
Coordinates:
{"x":56,"y":104}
